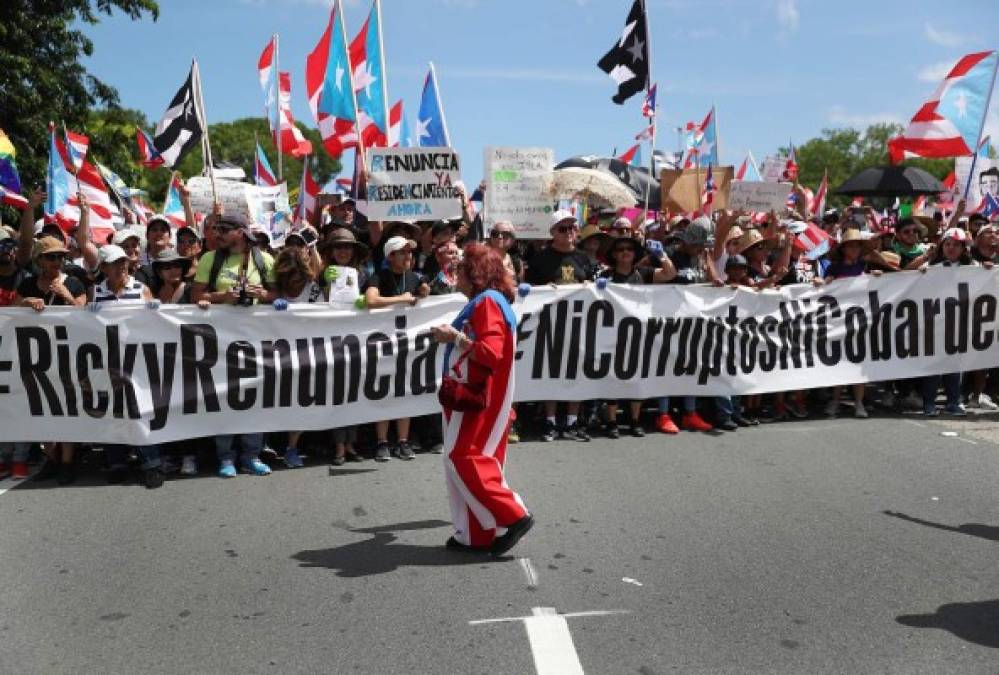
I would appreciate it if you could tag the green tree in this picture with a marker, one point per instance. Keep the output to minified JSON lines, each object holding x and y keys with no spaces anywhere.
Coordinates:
{"x":42,"y":76}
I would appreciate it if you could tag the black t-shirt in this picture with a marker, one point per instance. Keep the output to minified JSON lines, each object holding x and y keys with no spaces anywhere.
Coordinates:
{"x":390,"y":284}
{"x":639,"y":275}
{"x":688,"y":268}
{"x":147,"y":275}
{"x":9,"y":284}
{"x":799,"y":273}
{"x":29,"y":289}
{"x":551,"y":267}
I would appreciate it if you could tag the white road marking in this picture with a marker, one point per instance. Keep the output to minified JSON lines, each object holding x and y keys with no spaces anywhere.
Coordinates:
{"x":551,"y":642}
{"x":529,"y":571}
{"x":633,"y":582}
{"x":918,"y":424}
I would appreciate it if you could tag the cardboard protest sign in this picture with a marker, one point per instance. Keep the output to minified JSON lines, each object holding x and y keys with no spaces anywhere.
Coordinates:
{"x":773,"y":168}
{"x":516,"y":189}
{"x":231,"y":193}
{"x":413,"y":184}
{"x":682,"y":189}
{"x":985,"y":181}
{"x":758,"y":196}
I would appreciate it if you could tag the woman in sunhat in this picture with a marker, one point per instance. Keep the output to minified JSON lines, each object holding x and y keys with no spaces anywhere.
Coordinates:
{"x":593,"y":242}
{"x":171,"y":269}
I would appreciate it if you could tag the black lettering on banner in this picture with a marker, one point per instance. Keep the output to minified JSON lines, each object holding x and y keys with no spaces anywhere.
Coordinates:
{"x":769,"y":357}
{"x":33,"y":370}
{"x":687,"y":348}
{"x":376,"y":387}
{"x":402,"y":351}
{"x":784,"y":330}
{"x":880,"y":328}
{"x":65,"y":373}
{"x":601,"y":313}
{"x":572,"y":362}
{"x":829,"y":351}
{"x":670,"y":328}
{"x":549,"y":341}
{"x":424,"y":368}
{"x":160,"y":380}
{"x":120,"y":367}
{"x":311,"y":372}
{"x":652,"y":328}
{"x":197,"y":372}
{"x":956,"y":322}
{"x":522,"y":333}
{"x":276,"y":356}
{"x":856,"y":335}
{"x":626,"y":351}
{"x":983,"y":312}
{"x":808,"y":333}
{"x":907,"y":332}
{"x":712,"y":350}
{"x":89,"y":352}
{"x":732,"y":321}
{"x":931,"y":308}
{"x":346,"y":354}
{"x":749,"y":344}
{"x":240,"y":364}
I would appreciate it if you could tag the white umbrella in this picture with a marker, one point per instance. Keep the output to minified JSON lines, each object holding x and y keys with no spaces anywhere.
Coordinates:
{"x":597,"y":187}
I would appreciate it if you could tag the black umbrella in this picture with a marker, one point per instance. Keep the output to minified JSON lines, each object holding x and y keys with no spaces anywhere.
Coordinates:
{"x":891,"y":181}
{"x":635,"y":177}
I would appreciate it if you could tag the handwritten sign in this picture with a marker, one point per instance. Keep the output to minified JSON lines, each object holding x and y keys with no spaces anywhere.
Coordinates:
{"x":682,"y":190}
{"x":758,"y":196}
{"x":516,"y":189}
{"x":231,"y":193}
{"x":773,"y":169}
{"x":263,"y":206}
{"x":413,"y":184}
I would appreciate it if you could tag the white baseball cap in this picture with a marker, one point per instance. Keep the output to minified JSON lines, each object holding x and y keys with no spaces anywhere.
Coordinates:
{"x":111,"y":253}
{"x":398,"y":244}
{"x":121,"y":236}
{"x":560,"y":216}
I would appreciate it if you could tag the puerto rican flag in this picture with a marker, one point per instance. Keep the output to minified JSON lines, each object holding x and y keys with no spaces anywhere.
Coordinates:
{"x":308,"y":194}
{"x":149,"y":157}
{"x":649,"y":104}
{"x":791,"y":168}
{"x":813,"y":241}
{"x":708,"y":196}
{"x":369,"y":81}
{"x":262,"y":173}
{"x":702,"y":142}
{"x":173,"y":208}
{"x":989,"y":206}
{"x":277,"y":104}
{"x":76,"y":147}
{"x":632,"y":156}
{"x":87,"y":182}
{"x":395,"y":137}
{"x":950,"y":122}
{"x":819,"y":201}
{"x":328,"y":82}
{"x":748,"y":170}
{"x":645,"y":134}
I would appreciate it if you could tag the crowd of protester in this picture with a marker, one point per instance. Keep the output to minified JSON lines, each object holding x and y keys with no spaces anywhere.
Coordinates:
{"x":349,"y":261}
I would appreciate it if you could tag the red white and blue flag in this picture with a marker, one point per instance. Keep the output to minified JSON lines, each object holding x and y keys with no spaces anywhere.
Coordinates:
{"x":989,"y":206}
{"x":149,"y":157}
{"x":702,"y":142}
{"x":645,"y":134}
{"x":277,"y":104}
{"x":791,"y":167}
{"x":173,"y":207}
{"x":396,"y":126}
{"x":632,"y":156}
{"x":76,"y":148}
{"x":649,"y":104}
{"x":263,"y":175}
{"x":708,"y":197}
{"x":813,"y":241}
{"x":308,"y":193}
{"x":65,"y":189}
{"x":819,"y":201}
{"x":748,"y":170}
{"x":985,"y":147}
{"x":328,"y":82}
{"x":369,"y":80}
{"x":950,"y":122}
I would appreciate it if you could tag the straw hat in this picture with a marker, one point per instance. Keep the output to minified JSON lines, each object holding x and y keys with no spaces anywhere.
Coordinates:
{"x":592,"y":231}
{"x":341,"y":237}
{"x":889,"y":259}
{"x":749,"y":239}
{"x":852,"y":234}
{"x":735,"y":232}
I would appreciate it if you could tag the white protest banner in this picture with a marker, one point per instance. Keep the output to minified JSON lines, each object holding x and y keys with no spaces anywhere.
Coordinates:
{"x":231,"y":193}
{"x":772,"y":169}
{"x":269,"y":209}
{"x":413,"y":184}
{"x":516,"y":189}
{"x":758,"y":196}
{"x":985,"y":181}
{"x":138,"y":375}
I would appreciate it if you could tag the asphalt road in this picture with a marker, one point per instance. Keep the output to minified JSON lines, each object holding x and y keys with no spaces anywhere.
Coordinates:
{"x":819,"y":546}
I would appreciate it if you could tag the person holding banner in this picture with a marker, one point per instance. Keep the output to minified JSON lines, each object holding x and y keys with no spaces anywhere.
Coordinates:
{"x":488,"y":516}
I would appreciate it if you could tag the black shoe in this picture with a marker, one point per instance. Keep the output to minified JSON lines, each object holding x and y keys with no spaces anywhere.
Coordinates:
{"x":153,"y":478}
{"x":740,"y":420}
{"x":726,"y":425}
{"x":352,"y":456}
{"x":636,"y":429}
{"x":612,"y":431}
{"x":337,"y":461}
{"x":117,"y":474}
{"x":550,"y":433}
{"x":453,"y":544}
{"x":403,"y":450}
{"x":48,"y":471}
{"x":383,"y":452}
{"x":505,"y":542}
{"x":576,"y":433}
{"x":67,"y":473}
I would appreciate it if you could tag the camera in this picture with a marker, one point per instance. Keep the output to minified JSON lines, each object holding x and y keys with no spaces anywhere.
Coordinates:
{"x":244,"y":300}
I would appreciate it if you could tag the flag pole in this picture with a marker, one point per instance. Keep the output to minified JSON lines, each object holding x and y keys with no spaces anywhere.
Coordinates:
{"x":256,"y":145}
{"x":72,"y":164}
{"x":199,"y":106}
{"x":440,"y":105}
{"x":981,"y":130}
{"x":300,"y":210}
{"x":381,"y":55}
{"x":350,"y":78}
{"x":655,"y":113}
{"x":714,"y":120}
{"x":277,"y":93}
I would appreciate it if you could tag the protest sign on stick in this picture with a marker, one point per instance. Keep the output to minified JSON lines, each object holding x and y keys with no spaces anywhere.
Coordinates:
{"x":758,"y":196}
{"x":985,"y":181}
{"x":773,"y":169}
{"x":230,"y":193}
{"x":516,"y":189}
{"x":682,"y":189}
{"x":413,"y":184}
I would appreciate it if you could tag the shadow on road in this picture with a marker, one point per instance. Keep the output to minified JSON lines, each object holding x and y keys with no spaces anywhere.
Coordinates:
{"x":380,"y":554}
{"x":988,"y":532}
{"x":976,"y":622}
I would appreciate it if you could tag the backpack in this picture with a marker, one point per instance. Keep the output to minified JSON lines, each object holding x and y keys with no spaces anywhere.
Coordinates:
{"x":219,"y":261}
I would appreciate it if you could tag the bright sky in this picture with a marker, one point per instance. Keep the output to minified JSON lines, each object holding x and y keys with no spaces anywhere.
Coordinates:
{"x":523,"y":72}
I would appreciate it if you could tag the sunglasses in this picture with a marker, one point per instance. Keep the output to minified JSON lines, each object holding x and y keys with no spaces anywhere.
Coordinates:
{"x":498,"y":234}
{"x":52,"y":256}
{"x":565,"y":229}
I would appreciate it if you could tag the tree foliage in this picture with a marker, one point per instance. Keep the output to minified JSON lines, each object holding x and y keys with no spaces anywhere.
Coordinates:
{"x":42,"y":76}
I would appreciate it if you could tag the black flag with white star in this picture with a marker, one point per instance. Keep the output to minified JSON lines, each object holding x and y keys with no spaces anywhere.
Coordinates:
{"x":180,"y":129}
{"x":627,"y":62}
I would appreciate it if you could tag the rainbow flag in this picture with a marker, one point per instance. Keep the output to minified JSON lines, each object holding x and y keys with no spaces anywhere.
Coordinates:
{"x":10,"y":182}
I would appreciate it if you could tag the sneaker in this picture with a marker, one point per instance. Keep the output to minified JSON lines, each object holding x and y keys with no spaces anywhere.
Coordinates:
{"x":665,"y":424}
{"x":982,"y":402}
{"x":513,"y":534}
{"x":168,"y":467}
{"x":859,"y":411}
{"x":832,"y":409}
{"x":256,"y":467}
{"x":453,"y":544}
{"x":956,"y":410}
{"x":576,"y":433}
{"x":20,"y":471}
{"x":4,"y":470}
{"x":403,"y":450}
{"x":612,"y":431}
{"x":636,"y":429}
{"x":931,"y":412}
{"x":383,"y":452}
{"x":292,"y":459}
{"x":727,"y":425}
{"x":513,"y":436}
{"x":228,"y":469}
{"x":268,"y":453}
{"x":152,"y":478}
{"x":740,"y":420}
{"x":550,"y":433}
{"x":438,"y":448}
{"x":692,"y":421}
{"x":189,"y":466}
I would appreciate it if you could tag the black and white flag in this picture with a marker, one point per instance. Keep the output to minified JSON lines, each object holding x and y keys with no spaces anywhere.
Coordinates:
{"x":627,"y":62}
{"x":181,"y":127}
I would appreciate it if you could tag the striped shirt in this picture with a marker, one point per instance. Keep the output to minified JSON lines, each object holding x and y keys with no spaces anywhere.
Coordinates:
{"x":130,"y":294}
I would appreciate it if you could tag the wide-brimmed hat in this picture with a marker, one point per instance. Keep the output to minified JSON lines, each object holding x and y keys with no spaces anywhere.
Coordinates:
{"x":889,"y":259}
{"x":344,"y":237}
{"x":749,"y":239}
{"x":48,"y":245}
{"x":170,"y":255}
{"x":852,"y":234}
{"x":591,"y":231}
{"x":630,"y":242}
{"x":735,"y":232}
